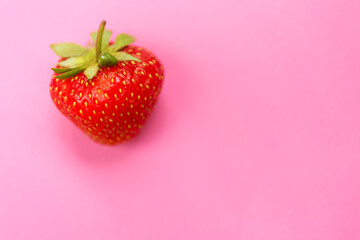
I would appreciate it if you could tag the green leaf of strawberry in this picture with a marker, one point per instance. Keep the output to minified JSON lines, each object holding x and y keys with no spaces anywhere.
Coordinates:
{"x":122,"y":40}
{"x":123,"y":56}
{"x":108,"y":91}
{"x":72,"y":62}
{"x":91,"y":70}
{"x":61,"y":70}
{"x":71,"y":73}
{"x":68,"y":49}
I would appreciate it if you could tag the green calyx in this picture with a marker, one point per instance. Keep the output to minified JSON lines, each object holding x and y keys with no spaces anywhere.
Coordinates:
{"x":91,"y":59}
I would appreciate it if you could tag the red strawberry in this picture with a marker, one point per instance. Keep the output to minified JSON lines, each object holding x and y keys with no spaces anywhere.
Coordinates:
{"x":107,"y":90}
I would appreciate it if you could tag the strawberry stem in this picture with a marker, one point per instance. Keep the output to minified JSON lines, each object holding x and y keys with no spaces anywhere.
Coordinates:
{"x":99,"y":39}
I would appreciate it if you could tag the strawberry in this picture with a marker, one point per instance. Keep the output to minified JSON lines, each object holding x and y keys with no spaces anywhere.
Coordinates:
{"x":107,"y":90}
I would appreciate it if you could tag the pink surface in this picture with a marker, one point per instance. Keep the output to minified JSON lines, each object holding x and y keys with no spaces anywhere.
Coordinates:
{"x":256,"y":134}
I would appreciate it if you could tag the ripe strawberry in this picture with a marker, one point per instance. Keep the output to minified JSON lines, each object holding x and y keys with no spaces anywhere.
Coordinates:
{"x":108,"y":90}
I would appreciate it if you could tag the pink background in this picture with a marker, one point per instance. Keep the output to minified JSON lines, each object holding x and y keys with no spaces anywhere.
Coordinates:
{"x":256,"y":134}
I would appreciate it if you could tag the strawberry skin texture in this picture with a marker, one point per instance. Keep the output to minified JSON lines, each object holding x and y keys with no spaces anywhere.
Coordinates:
{"x":113,"y":106}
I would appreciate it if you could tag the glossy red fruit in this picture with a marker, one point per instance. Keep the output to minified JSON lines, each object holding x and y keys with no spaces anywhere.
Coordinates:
{"x":113,"y":106}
